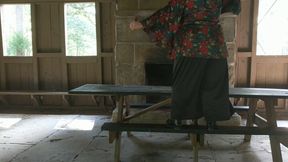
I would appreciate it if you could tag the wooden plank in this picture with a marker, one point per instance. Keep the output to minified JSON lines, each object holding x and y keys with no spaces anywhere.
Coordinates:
{"x":107,"y":28}
{"x":16,"y":59}
{"x":56,"y":39}
{"x":254,"y":43}
{"x":86,"y":59}
{"x":244,"y":26}
{"x":151,"y":108}
{"x":43,"y":36}
{"x":122,"y":89}
{"x":34,"y":48}
{"x":113,"y":89}
{"x":32,"y":93}
{"x":260,"y":121}
{"x":233,"y":130}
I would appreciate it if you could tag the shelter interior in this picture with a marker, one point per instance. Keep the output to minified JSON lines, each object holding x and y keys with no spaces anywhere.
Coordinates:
{"x":48,"y":47}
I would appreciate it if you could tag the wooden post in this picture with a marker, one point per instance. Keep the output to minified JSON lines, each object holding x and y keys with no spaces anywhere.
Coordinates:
{"x":119,"y":106}
{"x":127,"y":112}
{"x":194,"y":141}
{"x":251,"y":117}
{"x":272,"y":123}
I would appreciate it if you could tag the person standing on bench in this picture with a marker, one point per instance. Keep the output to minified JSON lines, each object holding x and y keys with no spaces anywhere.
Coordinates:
{"x":190,"y":30}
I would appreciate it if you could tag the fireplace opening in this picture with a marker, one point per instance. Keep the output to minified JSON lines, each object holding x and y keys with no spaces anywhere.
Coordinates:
{"x":158,"y":75}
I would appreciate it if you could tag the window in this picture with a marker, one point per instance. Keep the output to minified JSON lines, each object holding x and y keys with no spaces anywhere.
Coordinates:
{"x":16,"y":29}
{"x":80,"y":29}
{"x":272,"y":28}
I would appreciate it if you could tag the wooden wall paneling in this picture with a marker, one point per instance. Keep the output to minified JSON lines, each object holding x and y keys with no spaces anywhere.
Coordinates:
{"x":19,"y":76}
{"x":50,"y":78}
{"x":83,"y":73}
{"x":78,"y":76}
{"x":43,"y":38}
{"x":55,"y":11}
{"x":49,"y":68}
{"x":107,"y":22}
{"x":273,"y":74}
{"x":260,"y":76}
{"x":50,"y":74}
{"x":48,"y":37}
{"x":243,"y":71}
{"x":108,"y":70}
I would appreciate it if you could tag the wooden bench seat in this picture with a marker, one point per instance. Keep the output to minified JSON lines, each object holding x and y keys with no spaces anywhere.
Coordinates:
{"x":36,"y":102}
{"x":237,"y":108}
{"x":233,"y":130}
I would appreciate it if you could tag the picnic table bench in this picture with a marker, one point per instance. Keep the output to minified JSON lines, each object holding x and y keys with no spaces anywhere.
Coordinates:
{"x":266,"y":126}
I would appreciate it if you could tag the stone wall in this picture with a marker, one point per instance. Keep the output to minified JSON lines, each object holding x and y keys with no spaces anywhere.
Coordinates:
{"x":134,"y":48}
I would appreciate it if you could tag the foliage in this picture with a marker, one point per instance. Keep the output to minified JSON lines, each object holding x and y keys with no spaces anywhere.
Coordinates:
{"x":80,"y":28}
{"x":18,"y":45}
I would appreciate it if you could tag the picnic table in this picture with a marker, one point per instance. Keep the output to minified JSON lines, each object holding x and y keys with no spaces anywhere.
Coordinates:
{"x":266,"y":126}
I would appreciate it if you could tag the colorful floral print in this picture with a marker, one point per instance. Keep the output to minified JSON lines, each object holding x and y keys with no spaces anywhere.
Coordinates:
{"x":191,"y":27}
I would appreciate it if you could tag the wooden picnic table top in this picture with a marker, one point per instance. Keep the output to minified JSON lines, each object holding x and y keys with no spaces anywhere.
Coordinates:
{"x":111,"y":89}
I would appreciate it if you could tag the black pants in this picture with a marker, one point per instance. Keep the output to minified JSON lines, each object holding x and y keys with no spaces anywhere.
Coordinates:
{"x":200,"y":88}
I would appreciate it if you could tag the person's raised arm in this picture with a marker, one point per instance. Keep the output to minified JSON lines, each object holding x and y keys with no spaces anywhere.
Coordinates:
{"x":163,"y":24}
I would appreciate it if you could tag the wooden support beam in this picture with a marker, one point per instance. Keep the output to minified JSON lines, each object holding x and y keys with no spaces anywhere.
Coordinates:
{"x":260,"y":121}
{"x":35,"y":100}
{"x":66,"y":100}
{"x":151,"y":108}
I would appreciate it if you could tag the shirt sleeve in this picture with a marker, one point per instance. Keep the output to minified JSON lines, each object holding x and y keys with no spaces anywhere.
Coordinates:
{"x":164,"y":23}
{"x":233,"y":6}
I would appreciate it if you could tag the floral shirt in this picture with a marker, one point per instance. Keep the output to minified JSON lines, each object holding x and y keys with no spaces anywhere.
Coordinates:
{"x":191,"y":27}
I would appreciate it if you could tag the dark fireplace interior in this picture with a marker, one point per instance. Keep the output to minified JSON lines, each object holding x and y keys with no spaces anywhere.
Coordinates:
{"x":159,"y":75}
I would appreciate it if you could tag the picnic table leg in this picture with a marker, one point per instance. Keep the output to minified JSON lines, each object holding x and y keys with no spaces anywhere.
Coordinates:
{"x":119,"y":106}
{"x":272,"y":123}
{"x":251,"y":116}
{"x":127,"y":112}
{"x":194,"y":141}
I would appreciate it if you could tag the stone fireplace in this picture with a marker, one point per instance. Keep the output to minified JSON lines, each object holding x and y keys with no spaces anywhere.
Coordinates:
{"x":135,"y":54}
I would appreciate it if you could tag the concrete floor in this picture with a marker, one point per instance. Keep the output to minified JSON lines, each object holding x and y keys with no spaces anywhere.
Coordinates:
{"x":35,"y":139}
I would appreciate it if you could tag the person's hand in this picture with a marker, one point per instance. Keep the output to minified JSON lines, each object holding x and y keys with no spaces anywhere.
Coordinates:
{"x":135,"y":25}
